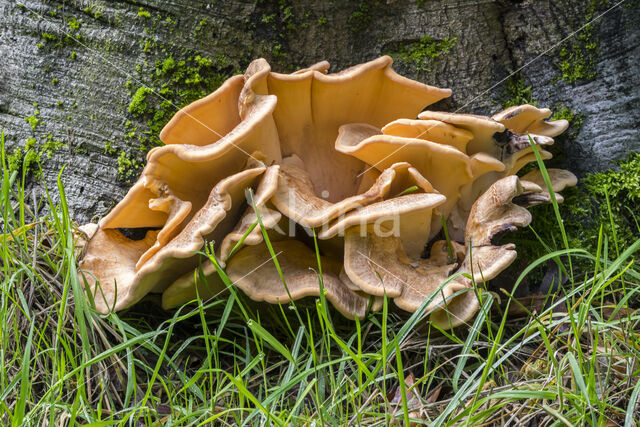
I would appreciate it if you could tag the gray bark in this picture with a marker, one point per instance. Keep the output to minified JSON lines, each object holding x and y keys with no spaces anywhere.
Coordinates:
{"x":83,"y":102}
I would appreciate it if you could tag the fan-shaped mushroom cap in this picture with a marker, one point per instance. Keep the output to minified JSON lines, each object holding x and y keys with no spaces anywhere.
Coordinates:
{"x":515,"y":151}
{"x":254,"y":272}
{"x":494,"y":213}
{"x":295,"y":196}
{"x":529,"y":119}
{"x":110,"y":264}
{"x":431,"y":130}
{"x":190,"y":171}
{"x":560,"y":178}
{"x":523,"y":158}
{"x":266,"y":189}
{"x":378,"y":265}
{"x":483,"y":128}
{"x":408,"y":217}
{"x":123,"y":284}
{"x":206,"y":120}
{"x":312,"y":106}
{"x":445,"y":167}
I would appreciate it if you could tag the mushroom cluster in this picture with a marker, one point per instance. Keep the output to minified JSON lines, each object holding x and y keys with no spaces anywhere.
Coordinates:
{"x":404,"y":203}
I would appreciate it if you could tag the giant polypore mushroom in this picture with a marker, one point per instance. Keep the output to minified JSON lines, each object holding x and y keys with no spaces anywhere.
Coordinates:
{"x":351,"y":157}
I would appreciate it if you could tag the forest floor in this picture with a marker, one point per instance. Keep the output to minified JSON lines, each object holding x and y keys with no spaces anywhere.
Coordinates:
{"x":568,"y":358}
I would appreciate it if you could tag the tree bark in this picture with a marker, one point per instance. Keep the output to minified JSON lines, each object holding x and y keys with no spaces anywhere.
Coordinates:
{"x":79,"y":64}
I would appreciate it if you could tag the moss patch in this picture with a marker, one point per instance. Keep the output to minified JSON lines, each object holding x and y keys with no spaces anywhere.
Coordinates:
{"x":128,"y":167}
{"x":579,"y":58}
{"x":422,"y":53}
{"x":360,"y":18}
{"x":170,"y":84}
{"x":516,"y":92}
{"x":584,"y":209}
{"x":33,"y":120}
{"x":622,"y":188}
{"x":26,"y":159}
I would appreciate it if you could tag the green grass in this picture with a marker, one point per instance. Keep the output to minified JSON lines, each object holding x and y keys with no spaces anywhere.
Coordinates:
{"x":232,"y":361}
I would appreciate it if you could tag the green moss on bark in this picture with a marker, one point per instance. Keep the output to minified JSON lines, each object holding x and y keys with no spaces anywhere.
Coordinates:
{"x":578,"y":59}
{"x":422,"y":53}
{"x":516,"y":92}
{"x":584,"y":210}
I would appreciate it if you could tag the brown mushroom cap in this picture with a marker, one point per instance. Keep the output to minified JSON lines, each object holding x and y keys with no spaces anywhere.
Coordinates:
{"x":493,"y":214}
{"x":406,"y":211}
{"x":312,"y":106}
{"x":204,"y":121}
{"x":560,"y":178}
{"x":408,"y":217}
{"x":378,"y":265}
{"x":295,"y":196}
{"x":483,"y":128}
{"x":190,"y":171}
{"x":122,"y":284}
{"x":431,"y":130}
{"x":529,"y":119}
{"x":445,"y":167}
{"x":523,"y":158}
{"x":254,"y":272}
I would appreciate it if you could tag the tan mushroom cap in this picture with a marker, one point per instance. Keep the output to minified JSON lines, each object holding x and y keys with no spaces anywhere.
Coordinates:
{"x":253,"y":271}
{"x":408,"y":217}
{"x":483,"y":128}
{"x":529,"y":119}
{"x":378,"y":265}
{"x":523,"y":158}
{"x":109,"y":265}
{"x":191,"y":171}
{"x":515,"y":154}
{"x":444,"y":167}
{"x":431,"y":130}
{"x":189,"y":287}
{"x":204,"y":121}
{"x":312,"y":106}
{"x":560,"y":178}
{"x":123,"y":285}
{"x":406,"y":209}
{"x":494,"y":212}
{"x":295,"y":196}
{"x":176,"y":209}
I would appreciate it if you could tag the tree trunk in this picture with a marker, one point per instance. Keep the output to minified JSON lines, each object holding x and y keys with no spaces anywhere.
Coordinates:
{"x":73,"y":78}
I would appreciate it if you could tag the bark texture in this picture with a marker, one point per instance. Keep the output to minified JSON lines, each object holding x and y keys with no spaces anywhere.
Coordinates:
{"x":71,"y":69}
